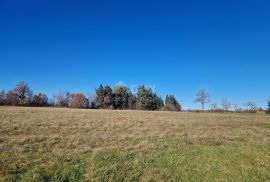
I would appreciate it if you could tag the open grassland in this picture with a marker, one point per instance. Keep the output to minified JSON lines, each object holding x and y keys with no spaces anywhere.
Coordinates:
{"x":50,"y":144}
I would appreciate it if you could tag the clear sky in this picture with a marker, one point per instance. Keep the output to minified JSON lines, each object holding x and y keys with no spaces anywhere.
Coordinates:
{"x":177,"y":47}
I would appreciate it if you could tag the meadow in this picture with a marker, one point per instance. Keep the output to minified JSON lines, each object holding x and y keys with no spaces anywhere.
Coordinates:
{"x":57,"y":144}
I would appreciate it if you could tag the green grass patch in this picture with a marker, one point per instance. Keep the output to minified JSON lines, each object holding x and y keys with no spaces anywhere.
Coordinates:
{"x":164,"y":162}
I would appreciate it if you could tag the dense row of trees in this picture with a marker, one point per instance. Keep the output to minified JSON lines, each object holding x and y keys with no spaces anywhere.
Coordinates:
{"x":118,"y":97}
{"x":22,"y":95}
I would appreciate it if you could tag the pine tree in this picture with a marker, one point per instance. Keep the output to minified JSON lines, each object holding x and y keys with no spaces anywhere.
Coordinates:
{"x":99,"y":96}
{"x":171,"y":104}
{"x":148,"y":100}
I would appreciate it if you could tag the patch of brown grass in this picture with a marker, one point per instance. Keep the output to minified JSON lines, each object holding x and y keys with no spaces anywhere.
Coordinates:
{"x":69,"y":131}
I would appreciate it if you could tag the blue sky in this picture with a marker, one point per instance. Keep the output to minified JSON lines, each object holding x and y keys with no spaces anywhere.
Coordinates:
{"x":177,"y":47}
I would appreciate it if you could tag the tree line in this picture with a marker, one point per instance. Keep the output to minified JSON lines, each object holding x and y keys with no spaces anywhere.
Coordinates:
{"x":119,"y":97}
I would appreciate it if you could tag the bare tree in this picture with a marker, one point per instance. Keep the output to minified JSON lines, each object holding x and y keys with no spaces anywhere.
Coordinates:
{"x":214,"y":106}
{"x":251,"y":106}
{"x":24,"y":93}
{"x":62,"y":99}
{"x":202,"y":97}
{"x":225,"y":104}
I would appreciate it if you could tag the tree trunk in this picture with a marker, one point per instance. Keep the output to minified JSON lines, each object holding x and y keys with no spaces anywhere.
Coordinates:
{"x":202,"y":106}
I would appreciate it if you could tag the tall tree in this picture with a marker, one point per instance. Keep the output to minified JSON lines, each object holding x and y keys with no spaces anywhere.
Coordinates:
{"x":24,"y":93}
{"x":202,"y":98}
{"x":147,"y":99}
{"x":171,"y":104}
{"x":99,"y":96}
{"x":40,"y":100}
{"x":121,"y":95}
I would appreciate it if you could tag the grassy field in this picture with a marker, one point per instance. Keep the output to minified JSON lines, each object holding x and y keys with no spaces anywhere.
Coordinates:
{"x":49,"y":144}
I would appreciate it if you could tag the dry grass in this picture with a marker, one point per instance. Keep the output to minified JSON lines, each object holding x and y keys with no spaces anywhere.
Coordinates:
{"x":72,"y":132}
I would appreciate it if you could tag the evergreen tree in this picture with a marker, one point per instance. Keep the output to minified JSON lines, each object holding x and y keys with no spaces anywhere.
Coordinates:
{"x":99,"y":96}
{"x":171,"y":104}
{"x":148,"y":100}
{"x":108,"y":96}
{"x":121,"y":96}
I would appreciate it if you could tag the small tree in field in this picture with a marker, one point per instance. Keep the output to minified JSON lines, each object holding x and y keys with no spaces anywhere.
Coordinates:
{"x":202,"y":97}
